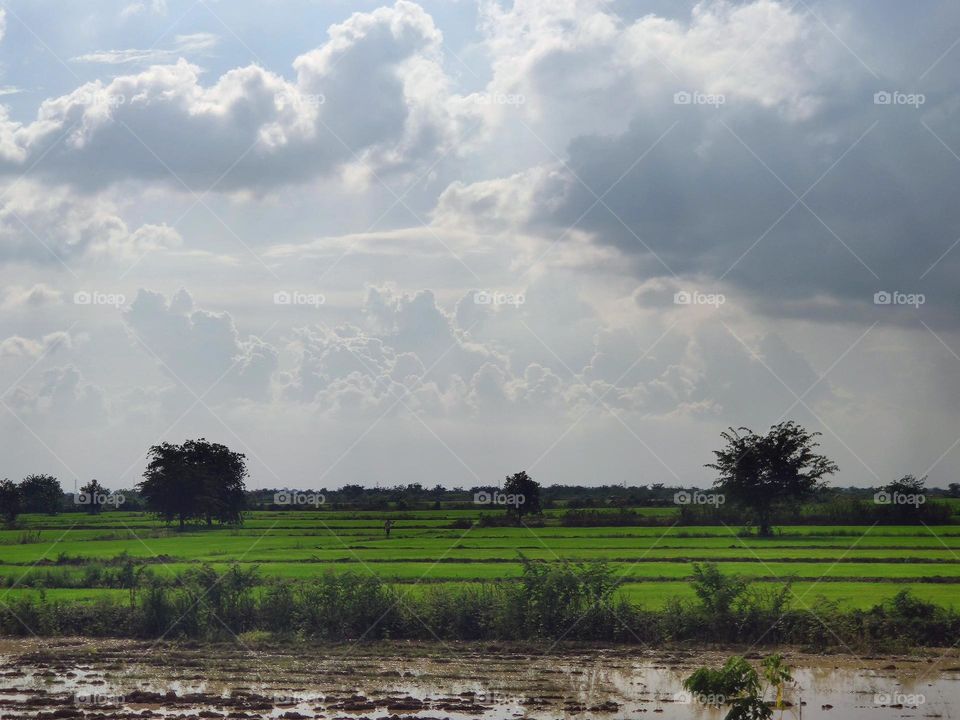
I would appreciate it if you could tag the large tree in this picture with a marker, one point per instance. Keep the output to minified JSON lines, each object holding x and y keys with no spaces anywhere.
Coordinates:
{"x":10,"y":500}
{"x":92,"y":494}
{"x":763,"y":472}
{"x":41,"y":494}
{"x":195,"y":480}
{"x":527,"y":492}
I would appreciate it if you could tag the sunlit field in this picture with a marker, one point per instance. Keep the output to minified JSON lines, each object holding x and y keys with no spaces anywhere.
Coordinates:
{"x":69,"y":556}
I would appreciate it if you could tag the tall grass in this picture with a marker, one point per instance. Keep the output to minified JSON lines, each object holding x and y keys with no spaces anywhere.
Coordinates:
{"x":552,"y":602}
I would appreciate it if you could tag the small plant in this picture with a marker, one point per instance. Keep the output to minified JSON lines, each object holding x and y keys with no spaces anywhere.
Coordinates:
{"x":738,"y":685}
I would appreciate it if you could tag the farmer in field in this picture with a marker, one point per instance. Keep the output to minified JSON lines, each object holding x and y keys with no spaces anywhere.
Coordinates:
{"x":387,"y":525}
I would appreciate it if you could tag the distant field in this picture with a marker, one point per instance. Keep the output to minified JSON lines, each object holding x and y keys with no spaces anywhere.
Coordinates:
{"x":857,"y":566}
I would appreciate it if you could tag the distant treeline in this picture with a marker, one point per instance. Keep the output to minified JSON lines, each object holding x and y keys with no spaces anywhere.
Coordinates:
{"x":417,"y":497}
{"x":551,"y":602}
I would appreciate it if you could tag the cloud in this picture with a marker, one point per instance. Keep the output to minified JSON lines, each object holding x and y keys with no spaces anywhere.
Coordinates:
{"x":372,"y":97}
{"x":199,"y":349}
{"x":183,"y":45}
{"x":50,"y":225}
{"x":142,"y":7}
{"x":36,"y":296}
{"x":22,"y":347}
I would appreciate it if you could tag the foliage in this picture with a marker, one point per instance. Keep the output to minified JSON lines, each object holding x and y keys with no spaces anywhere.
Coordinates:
{"x":195,"y":480}
{"x":523,"y":486}
{"x":41,"y":494}
{"x":763,"y":472}
{"x":10,"y":500}
{"x":93,"y":492}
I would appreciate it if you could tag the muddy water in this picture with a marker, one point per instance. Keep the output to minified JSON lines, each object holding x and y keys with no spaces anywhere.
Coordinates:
{"x":112,"y":679}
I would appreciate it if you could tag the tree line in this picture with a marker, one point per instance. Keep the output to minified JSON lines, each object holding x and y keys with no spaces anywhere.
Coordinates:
{"x":195,"y":481}
{"x":764,"y":476}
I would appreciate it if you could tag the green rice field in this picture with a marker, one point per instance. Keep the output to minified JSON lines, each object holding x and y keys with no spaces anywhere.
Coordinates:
{"x":59,"y":557}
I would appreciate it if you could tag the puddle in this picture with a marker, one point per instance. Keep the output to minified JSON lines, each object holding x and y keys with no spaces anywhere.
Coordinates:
{"x":120,"y":679}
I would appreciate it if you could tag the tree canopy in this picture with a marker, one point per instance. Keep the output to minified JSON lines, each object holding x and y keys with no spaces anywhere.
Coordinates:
{"x":527,"y":492}
{"x":764,"y":471}
{"x":41,"y":494}
{"x":197,"y":480}
{"x":10,"y":500}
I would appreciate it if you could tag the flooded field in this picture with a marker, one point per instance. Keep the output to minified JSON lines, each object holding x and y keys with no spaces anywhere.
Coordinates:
{"x":64,"y":678}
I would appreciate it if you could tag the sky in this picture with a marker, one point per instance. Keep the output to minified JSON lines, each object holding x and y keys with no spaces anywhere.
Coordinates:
{"x":444,"y":241}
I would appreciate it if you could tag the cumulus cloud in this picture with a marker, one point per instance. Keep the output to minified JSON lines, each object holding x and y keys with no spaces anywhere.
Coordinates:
{"x":36,"y":296}
{"x":23,"y":347}
{"x":371,"y":96}
{"x":831,"y":182}
{"x":200,"y":349}
{"x":53,"y":225}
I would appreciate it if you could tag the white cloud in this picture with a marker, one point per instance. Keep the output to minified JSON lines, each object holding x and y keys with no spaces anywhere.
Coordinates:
{"x":183,"y":45}
{"x":372,"y":97}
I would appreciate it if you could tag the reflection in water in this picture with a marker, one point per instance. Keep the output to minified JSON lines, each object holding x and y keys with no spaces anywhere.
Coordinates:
{"x":124,"y":679}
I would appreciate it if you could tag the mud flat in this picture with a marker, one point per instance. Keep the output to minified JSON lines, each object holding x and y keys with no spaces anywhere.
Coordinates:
{"x":79,"y":678}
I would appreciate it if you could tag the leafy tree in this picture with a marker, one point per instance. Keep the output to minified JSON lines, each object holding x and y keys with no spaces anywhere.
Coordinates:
{"x":10,"y":500}
{"x":167,"y":487}
{"x":198,"y":479}
{"x":906,"y":495}
{"x":953,"y":490}
{"x":523,"y":486}
{"x":219,"y":473}
{"x":717,"y":592}
{"x":93,"y":492}
{"x":41,"y":494}
{"x":908,"y":485}
{"x":763,"y":472}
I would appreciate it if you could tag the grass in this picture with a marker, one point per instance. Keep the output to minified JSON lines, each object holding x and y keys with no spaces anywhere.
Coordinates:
{"x":857,"y":566}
